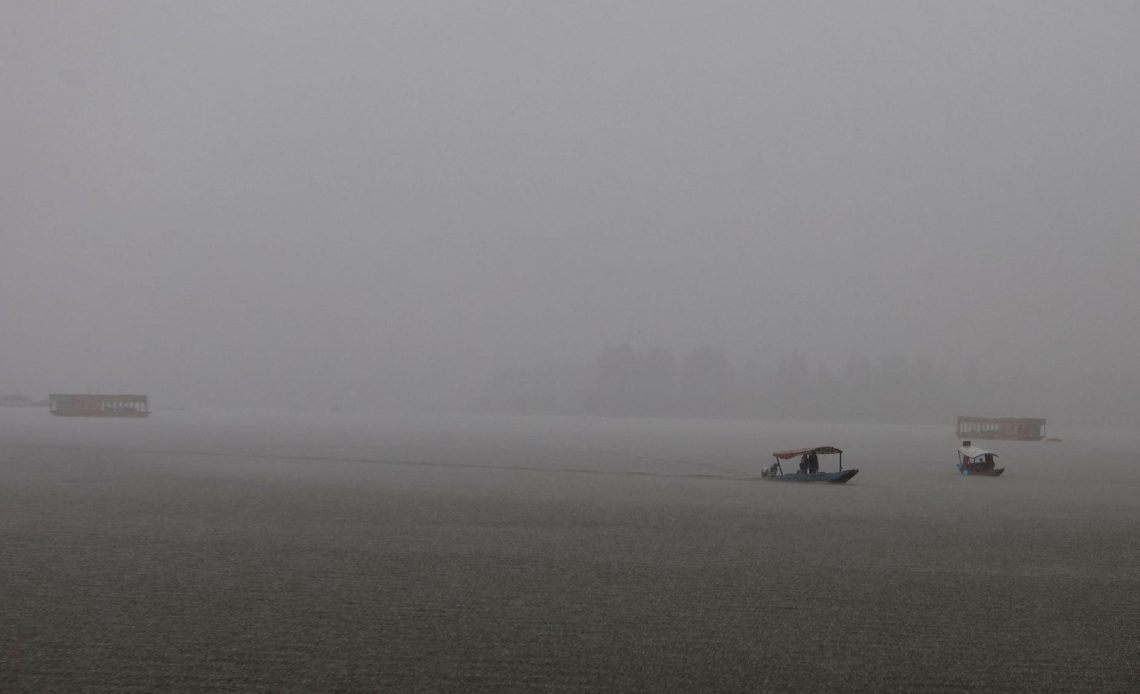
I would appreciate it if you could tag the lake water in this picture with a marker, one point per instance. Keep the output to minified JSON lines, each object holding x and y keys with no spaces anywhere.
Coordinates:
{"x":358,"y":552}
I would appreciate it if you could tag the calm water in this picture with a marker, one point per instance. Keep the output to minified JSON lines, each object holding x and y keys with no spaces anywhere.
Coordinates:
{"x":349,"y":552}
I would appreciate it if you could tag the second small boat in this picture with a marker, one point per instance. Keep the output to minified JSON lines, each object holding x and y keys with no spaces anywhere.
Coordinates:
{"x":976,"y":461}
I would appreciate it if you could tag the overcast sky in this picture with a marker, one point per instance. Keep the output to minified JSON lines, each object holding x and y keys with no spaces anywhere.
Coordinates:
{"x":216,"y":201}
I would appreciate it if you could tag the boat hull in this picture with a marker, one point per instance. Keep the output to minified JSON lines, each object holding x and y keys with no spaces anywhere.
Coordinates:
{"x":832,"y":477}
{"x":995,"y":472}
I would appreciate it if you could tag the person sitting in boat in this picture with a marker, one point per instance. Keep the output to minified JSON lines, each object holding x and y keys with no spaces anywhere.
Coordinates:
{"x":804,"y":463}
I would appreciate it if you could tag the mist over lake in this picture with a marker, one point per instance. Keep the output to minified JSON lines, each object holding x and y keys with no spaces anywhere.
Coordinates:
{"x":424,"y":345}
{"x":271,"y":552}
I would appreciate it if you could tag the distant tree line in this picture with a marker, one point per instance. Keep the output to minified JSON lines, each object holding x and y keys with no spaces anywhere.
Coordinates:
{"x":653,"y":382}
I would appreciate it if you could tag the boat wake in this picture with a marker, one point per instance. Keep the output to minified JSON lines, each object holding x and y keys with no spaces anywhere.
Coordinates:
{"x":394,"y":462}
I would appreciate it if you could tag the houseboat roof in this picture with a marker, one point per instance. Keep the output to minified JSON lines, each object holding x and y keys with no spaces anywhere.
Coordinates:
{"x":106,"y":396}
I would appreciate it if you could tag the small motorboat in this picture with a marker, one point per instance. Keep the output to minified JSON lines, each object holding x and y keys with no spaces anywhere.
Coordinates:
{"x":976,"y":461}
{"x":809,"y":466}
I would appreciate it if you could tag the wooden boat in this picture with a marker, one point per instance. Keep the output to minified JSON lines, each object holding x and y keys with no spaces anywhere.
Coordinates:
{"x":977,"y":462}
{"x":809,"y":466}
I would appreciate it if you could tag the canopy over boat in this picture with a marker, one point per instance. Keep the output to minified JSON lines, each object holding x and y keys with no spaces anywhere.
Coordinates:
{"x":973,"y":453}
{"x":977,"y":461}
{"x":819,"y":450}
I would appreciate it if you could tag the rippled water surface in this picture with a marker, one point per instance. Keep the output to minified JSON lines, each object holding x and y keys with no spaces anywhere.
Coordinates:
{"x":354,"y":552}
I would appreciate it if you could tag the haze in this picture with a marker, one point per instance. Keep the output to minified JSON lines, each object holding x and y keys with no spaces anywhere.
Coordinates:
{"x":392,"y":204}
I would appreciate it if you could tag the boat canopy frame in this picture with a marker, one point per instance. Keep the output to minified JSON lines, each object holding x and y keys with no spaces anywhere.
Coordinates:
{"x":973,"y":453}
{"x":818,"y":450}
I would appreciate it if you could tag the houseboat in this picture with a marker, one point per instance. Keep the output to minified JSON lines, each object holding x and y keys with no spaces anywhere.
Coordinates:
{"x":90,"y":405}
{"x":1006,"y":428}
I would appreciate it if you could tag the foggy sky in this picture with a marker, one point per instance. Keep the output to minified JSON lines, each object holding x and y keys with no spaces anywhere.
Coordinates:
{"x":390,"y":202}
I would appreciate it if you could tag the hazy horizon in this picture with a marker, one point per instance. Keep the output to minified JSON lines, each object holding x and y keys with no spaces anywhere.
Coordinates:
{"x":392,"y":204}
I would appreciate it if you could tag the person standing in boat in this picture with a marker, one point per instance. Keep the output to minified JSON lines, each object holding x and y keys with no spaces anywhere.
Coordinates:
{"x":805,"y":465}
{"x":813,"y":463}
